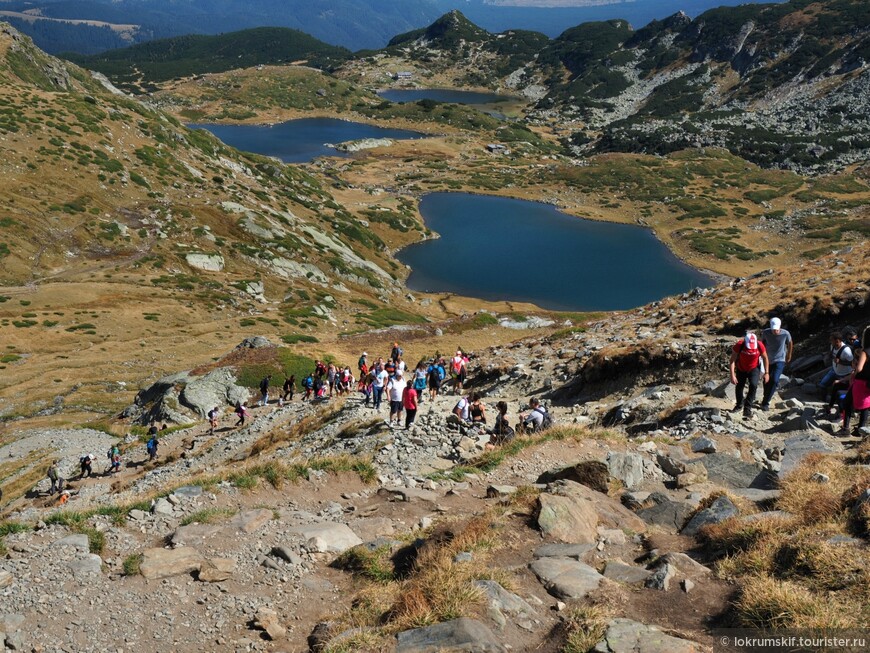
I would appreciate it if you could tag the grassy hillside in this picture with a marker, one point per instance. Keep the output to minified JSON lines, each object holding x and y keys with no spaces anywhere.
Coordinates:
{"x":182,"y":56}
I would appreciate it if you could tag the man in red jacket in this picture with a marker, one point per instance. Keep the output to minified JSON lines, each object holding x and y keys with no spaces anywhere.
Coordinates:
{"x":748,"y":364}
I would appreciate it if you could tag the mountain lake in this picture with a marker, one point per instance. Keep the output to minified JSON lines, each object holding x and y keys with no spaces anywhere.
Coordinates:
{"x":497,"y":248}
{"x":300,"y":141}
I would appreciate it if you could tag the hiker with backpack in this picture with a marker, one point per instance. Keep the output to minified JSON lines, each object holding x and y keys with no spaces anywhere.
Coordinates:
{"x":433,"y":380}
{"x":363,"y":364}
{"x":748,"y":365}
{"x":115,"y":459}
{"x":838,"y":378}
{"x":396,"y":352}
{"x":264,"y":389}
{"x":242,"y":412}
{"x":151,"y":447}
{"x":536,"y":420}
{"x":458,"y":370}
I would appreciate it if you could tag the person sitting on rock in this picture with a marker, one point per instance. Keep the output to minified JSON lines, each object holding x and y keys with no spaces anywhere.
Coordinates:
{"x":477,"y":410}
{"x":535,"y":419}
{"x":502,"y":433}
{"x":837,"y":379}
{"x":462,"y":410}
{"x":748,"y":364}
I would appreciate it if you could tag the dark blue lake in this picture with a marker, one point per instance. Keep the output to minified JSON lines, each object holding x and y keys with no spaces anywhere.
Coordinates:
{"x":299,"y":141}
{"x":497,"y":248}
{"x":441,"y":95}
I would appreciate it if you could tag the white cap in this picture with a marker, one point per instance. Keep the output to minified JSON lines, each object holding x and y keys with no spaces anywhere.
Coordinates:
{"x":775,"y":323}
{"x":365,"y":353}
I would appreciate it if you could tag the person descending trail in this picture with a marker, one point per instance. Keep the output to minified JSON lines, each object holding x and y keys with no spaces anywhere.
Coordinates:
{"x":378,"y":384}
{"x":115,"y":459}
{"x":409,"y":403}
{"x":396,"y":388}
{"x":420,"y":381}
{"x":396,"y":352}
{"x":362,"y":364}
{"x":779,"y":347}
{"x":748,"y":364}
{"x":308,"y":386}
{"x":837,"y":379}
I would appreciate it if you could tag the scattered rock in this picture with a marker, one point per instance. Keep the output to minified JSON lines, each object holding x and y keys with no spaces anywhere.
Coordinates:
{"x":500,"y":491}
{"x":162,"y":563}
{"x":251,"y":520}
{"x":328,"y":537}
{"x":627,"y":636}
{"x":78,"y":541}
{"x":626,"y":467}
{"x":5,"y":578}
{"x":216,"y":570}
{"x":591,"y":473}
{"x":721,"y":509}
{"x":625,"y":573}
{"x":665,"y":512}
{"x":660,"y":579}
{"x":703,"y":445}
{"x":268,"y":621}
{"x":501,"y":602}
{"x":563,"y":550}
{"x":90,"y":564}
{"x":456,"y":636}
{"x":687,"y":585}
{"x":566,"y":578}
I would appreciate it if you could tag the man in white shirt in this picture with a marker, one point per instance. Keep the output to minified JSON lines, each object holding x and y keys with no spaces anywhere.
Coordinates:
{"x":462,"y":409}
{"x":838,"y":376}
{"x":395,"y":388}
{"x":378,"y":384}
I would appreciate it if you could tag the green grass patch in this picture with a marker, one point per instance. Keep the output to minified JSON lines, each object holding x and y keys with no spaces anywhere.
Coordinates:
{"x":295,"y":338}
{"x":208,"y":516}
{"x":132,"y":564}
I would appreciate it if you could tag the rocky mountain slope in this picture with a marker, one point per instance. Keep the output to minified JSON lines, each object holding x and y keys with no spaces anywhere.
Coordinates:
{"x":783,"y":85}
{"x":317,"y":527}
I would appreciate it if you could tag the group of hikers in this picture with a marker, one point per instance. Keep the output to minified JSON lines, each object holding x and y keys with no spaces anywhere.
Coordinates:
{"x":846,"y":384}
{"x":86,"y":463}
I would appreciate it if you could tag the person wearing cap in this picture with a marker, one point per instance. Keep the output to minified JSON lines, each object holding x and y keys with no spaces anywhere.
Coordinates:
{"x":779,"y":347}
{"x":748,"y":359}
{"x":363,"y":364}
{"x":395,"y":389}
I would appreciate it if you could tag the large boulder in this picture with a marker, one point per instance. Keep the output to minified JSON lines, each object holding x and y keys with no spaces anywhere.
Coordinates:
{"x":566,"y":578}
{"x":502,"y":604}
{"x":456,"y":636}
{"x":798,"y":447}
{"x":721,"y":509}
{"x":162,"y":563}
{"x":572,"y":512}
{"x":627,"y":467}
{"x":217,"y":388}
{"x":591,"y":473}
{"x":665,"y":512}
{"x":731,"y":472}
{"x":627,"y":636}
{"x":328,"y":537}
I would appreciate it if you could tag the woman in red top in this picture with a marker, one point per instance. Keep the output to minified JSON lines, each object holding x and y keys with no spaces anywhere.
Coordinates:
{"x":409,"y":403}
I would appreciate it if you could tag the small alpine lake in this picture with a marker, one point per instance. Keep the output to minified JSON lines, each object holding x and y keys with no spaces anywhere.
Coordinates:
{"x":503,"y":249}
{"x":303,"y":140}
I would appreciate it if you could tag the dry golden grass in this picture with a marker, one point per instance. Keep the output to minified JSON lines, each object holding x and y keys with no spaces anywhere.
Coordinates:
{"x":584,"y":627}
{"x":765,"y":602}
{"x":792,"y":573}
{"x":280,"y":436}
{"x":816,"y":502}
{"x":435,"y":588}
